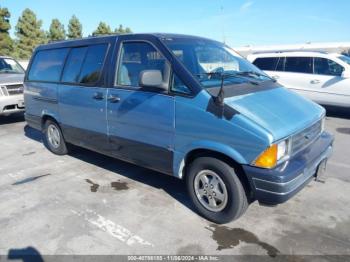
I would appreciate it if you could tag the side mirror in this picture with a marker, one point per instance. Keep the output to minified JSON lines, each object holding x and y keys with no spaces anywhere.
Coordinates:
{"x":345,"y":74}
{"x":152,"y":79}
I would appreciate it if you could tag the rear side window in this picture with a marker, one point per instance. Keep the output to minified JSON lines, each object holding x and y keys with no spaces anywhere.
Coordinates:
{"x":73,"y":65}
{"x":92,"y":66}
{"x":298,"y":65}
{"x":267,"y":63}
{"x":324,"y":66}
{"x":47,"y":65}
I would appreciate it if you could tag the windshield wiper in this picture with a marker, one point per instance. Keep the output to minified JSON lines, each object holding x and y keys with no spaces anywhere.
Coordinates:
{"x":248,"y":73}
{"x":219,"y":98}
{"x":225,"y":76}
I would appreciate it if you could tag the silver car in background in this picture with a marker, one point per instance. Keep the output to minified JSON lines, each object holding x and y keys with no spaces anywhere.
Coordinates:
{"x":11,"y":86}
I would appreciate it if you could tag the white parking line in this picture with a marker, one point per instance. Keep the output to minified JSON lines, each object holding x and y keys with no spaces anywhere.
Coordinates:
{"x":115,"y":230}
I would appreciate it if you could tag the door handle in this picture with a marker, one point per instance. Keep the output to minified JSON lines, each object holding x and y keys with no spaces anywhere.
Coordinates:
{"x":275,"y":77}
{"x":113,"y":99}
{"x":98,"y":96}
{"x":315,"y":81}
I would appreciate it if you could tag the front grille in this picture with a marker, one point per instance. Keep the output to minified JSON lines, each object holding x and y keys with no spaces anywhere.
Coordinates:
{"x":14,"y":89}
{"x":304,"y":138}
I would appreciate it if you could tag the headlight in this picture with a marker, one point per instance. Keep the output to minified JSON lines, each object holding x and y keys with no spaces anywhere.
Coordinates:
{"x":282,"y":150}
{"x":270,"y":157}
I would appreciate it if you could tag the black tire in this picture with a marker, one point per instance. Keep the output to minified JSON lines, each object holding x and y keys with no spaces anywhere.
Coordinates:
{"x":237,"y":202}
{"x":61,"y":148}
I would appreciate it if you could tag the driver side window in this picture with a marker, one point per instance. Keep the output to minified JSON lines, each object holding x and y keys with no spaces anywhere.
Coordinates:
{"x":135,"y":57}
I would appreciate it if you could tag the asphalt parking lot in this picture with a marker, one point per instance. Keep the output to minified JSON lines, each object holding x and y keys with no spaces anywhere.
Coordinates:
{"x":86,"y":203}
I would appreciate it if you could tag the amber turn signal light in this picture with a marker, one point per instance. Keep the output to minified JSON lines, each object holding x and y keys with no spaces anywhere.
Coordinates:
{"x":268,"y":158}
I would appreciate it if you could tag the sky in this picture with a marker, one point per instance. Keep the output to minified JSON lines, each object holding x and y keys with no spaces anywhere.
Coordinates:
{"x":236,"y":22}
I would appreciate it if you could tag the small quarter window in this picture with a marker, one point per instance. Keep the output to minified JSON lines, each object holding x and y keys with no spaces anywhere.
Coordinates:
{"x":179,"y":87}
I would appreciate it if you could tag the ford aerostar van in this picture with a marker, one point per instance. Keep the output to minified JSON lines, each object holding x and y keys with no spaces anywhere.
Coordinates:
{"x":185,"y":106}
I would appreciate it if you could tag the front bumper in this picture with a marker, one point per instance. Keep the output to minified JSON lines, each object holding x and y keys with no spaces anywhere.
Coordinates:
{"x":11,"y":104}
{"x":274,"y":186}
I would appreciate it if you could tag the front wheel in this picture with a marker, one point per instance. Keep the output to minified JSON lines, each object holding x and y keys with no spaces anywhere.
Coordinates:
{"x":53,"y":138}
{"x":215,"y":190}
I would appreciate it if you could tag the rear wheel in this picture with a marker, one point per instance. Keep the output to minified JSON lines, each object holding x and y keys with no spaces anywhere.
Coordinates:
{"x":53,"y":138}
{"x":215,"y":190}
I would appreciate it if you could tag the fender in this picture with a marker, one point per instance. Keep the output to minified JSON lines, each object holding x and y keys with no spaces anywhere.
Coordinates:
{"x":50,"y":113}
{"x":180,"y":156}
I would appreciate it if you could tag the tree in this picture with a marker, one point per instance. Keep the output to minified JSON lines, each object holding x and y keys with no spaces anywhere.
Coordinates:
{"x":75,"y":29}
{"x":6,"y":43}
{"x":102,"y":29}
{"x":29,"y":34}
{"x":56,"y":31}
{"x":127,"y":30}
{"x":120,"y":30}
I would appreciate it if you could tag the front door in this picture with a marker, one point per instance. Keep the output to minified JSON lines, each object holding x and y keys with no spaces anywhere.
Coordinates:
{"x":328,"y":84}
{"x":141,"y":121}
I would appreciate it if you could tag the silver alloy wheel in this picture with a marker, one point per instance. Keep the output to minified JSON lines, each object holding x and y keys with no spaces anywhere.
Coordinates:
{"x":53,"y":135}
{"x":210,"y":190}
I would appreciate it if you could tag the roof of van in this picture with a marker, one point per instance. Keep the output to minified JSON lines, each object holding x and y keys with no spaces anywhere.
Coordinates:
{"x":101,"y":39}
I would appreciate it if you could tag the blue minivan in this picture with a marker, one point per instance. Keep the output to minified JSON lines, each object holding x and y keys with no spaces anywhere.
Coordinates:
{"x":185,"y":106}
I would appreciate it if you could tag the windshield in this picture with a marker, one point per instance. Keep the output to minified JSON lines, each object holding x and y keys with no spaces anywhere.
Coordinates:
{"x":204,"y":57}
{"x":10,"y":66}
{"x":345,"y":59}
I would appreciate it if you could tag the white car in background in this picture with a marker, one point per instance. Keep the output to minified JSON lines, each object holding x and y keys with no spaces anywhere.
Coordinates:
{"x":11,"y":86}
{"x":321,"y":77}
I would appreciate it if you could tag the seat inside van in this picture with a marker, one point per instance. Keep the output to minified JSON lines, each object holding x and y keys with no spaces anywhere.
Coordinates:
{"x":137,"y":58}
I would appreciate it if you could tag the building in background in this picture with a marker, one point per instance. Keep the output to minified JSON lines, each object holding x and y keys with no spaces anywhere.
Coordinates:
{"x":334,"y":47}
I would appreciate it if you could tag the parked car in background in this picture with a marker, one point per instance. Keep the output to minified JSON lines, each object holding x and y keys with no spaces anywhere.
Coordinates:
{"x":184,"y":106}
{"x":23,"y":63}
{"x":11,"y":86}
{"x":321,"y":77}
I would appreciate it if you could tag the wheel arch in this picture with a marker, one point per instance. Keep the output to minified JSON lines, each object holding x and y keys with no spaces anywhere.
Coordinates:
{"x":228,"y":159}
{"x":48,"y":116}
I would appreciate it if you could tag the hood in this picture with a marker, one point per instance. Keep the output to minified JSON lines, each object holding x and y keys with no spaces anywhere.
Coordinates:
{"x":11,"y":78}
{"x":280,"y":111}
